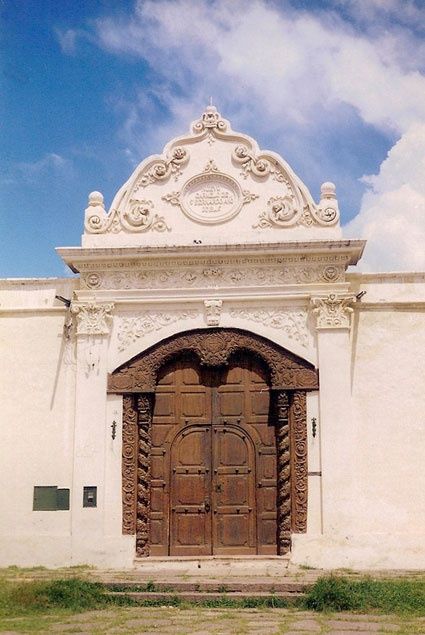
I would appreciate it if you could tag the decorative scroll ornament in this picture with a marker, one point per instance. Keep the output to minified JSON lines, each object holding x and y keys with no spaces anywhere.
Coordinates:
{"x":333,"y":311}
{"x":136,"y":217}
{"x":285,"y":211}
{"x":164,"y":168}
{"x":210,"y":197}
{"x":92,"y":318}
{"x":210,"y":123}
{"x":130,"y":329}
{"x":213,"y":312}
{"x":291,"y":322}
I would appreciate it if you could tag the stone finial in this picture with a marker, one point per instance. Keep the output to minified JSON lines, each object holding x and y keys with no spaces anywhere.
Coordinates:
{"x":327,"y":209}
{"x":328,"y":190}
{"x":96,"y":199}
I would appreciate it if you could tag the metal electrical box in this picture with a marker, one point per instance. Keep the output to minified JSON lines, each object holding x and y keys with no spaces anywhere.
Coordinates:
{"x":90,"y":496}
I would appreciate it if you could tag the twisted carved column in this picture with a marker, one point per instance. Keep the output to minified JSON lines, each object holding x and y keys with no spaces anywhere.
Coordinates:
{"x":283,"y":473}
{"x":299,"y":464}
{"x":129,"y":464}
{"x":144,"y":407}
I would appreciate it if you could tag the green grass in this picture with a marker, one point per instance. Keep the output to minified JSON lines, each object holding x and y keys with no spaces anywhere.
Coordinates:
{"x":74,"y":595}
{"x":338,"y":593}
{"x":328,"y":594}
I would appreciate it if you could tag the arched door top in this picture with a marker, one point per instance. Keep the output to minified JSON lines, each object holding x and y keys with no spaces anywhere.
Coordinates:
{"x":214,"y":347}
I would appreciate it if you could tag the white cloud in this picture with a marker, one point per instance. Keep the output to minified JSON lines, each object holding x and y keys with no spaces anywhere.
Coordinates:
{"x":67,"y":40}
{"x":392,"y":216}
{"x":273,"y":64}
{"x":51,"y":162}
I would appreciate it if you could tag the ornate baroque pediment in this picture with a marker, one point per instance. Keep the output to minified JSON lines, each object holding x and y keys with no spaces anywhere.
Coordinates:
{"x":204,"y":181}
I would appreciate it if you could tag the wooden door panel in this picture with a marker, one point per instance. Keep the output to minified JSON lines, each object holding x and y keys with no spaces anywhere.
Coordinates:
{"x":190,"y":489}
{"x":234,"y":472}
{"x":234,"y":492}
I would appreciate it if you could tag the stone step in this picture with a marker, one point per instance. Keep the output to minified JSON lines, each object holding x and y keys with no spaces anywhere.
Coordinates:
{"x":221,"y":586}
{"x":201,"y":597}
{"x":214,"y":565}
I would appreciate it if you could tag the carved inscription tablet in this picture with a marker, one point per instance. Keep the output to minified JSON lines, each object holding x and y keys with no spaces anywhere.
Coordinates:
{"x":211,"y":198}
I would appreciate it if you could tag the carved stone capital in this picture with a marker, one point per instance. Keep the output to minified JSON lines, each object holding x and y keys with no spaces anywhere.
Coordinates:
{"x":333,"y":311}
{"x":92,"y":318}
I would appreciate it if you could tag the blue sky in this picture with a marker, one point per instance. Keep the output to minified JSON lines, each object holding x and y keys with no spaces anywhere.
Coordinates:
{"x":88,"y":89}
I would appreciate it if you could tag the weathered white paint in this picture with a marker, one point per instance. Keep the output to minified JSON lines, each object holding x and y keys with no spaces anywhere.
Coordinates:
{"x":286,"y":282}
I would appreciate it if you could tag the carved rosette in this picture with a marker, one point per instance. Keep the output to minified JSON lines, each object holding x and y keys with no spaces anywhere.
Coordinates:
{"x":283,"y":473}
{"x":299,"y":471}
{"x":92,"y":318}
{"x":333,"y":311}
{"x":129,"y":464}
{"x":144,"y":408}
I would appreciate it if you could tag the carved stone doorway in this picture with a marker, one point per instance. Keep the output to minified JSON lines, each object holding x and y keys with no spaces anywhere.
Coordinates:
{"x":214,"y":445}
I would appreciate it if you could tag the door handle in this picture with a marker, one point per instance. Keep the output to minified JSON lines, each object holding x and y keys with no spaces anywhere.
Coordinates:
{"x":207,"y":506}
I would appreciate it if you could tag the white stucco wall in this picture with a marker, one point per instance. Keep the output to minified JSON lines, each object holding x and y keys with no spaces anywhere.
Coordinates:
{"x":37,"y":427}
{"x":388,"y":425}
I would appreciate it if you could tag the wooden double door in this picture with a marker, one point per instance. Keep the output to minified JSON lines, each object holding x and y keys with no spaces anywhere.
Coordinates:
{"x":213,"y":470}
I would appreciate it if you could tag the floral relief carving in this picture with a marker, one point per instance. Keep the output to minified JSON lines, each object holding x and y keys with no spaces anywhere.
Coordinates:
{"x":213,"y":312}
{"x":130,"y":329}
{"x":164,"y":168}
{"x":92,"y":318}
{"x":292,"y":322}
{"x":333,"y":311}
{"x":214,"y":348}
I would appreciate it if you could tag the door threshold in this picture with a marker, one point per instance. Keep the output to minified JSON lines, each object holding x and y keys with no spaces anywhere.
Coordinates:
{"x":239,"y":558}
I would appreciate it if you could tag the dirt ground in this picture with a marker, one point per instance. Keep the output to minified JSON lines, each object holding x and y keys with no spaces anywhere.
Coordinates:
{"x":203,"y":621}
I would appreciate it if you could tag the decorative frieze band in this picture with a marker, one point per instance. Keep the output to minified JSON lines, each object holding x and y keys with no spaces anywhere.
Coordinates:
{"x":214,"y":275}
{"x":333,"y":311}
{"x":92,"y":318}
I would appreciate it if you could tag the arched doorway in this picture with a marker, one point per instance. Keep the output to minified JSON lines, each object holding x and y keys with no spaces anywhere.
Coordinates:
{"x":214,"y":445}
{"x":214,"y":488}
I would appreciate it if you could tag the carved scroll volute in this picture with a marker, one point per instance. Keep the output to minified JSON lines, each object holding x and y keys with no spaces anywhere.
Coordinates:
{"x":283,"y":472}
{"x":129,"y":463}
{"x":145,"y":409}
{"x":299,"y":467}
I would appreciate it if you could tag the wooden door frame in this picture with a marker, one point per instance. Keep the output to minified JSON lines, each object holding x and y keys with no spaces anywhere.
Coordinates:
{"x":291,"y":377}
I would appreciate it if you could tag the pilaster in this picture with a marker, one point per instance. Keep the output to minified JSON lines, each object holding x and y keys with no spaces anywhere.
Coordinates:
{"x":92,"y":322}
{"x":333,"y":322}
